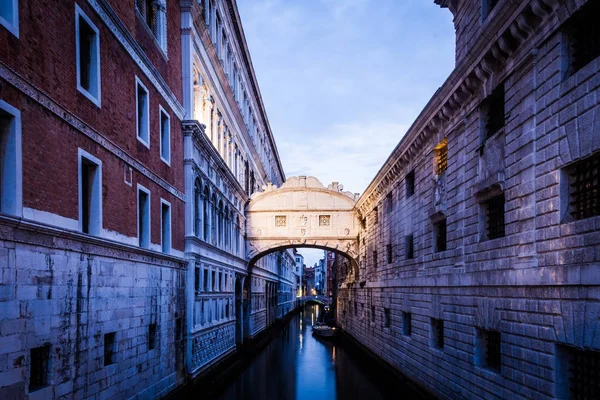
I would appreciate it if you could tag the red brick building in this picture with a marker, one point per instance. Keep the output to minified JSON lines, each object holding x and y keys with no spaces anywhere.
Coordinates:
{"x":92,"y":276}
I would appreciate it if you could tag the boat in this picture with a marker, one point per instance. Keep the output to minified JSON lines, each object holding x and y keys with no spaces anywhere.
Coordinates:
{"x":323,"y":331}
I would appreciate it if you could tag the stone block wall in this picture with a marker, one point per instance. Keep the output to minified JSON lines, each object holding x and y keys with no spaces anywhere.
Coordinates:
{"x":537,"y":285}
{"x":67,"y":292}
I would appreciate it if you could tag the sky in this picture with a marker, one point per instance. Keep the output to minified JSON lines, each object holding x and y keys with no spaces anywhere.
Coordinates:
{"x":342,"y":80}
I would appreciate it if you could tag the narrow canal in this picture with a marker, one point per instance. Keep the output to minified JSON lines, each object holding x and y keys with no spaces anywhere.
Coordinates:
{"x":297,"y":366}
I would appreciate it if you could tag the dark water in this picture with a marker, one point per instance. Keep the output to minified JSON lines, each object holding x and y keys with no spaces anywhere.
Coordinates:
{"x":296,"y":366}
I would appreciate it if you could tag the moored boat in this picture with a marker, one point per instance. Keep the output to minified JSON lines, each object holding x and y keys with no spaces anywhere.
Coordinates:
{"x":323,"y":331}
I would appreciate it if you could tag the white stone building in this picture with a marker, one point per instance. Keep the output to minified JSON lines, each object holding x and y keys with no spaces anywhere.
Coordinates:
{"x":229,"y":154}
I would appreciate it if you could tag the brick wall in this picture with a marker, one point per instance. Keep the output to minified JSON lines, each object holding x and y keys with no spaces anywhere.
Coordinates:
{"x":45,"y":59}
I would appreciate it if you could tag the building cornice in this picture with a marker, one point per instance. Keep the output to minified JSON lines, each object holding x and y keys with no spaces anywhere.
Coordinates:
{"x":196,"y":130}
{"x":38,"y":234}
{"x":500,"y":40}
{"x":202,"y":38}
{"x":241,"y":37}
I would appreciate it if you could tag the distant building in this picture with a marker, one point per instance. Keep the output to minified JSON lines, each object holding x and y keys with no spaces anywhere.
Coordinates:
{"x":309,"y":281}
{"x":299,"y":273}
{"x":321,"y":277}
{"x":329,"y":261}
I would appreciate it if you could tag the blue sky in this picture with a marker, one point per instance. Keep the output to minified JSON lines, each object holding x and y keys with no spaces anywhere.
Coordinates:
{"x":342,"y":80}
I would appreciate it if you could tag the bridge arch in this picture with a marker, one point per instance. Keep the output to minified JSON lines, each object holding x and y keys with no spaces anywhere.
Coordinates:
{"x":302,"y":213}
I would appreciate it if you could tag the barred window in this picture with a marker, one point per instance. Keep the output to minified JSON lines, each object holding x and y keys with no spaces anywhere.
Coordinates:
{"x":324,"y":220}
{"x":110,"y":348}
{"x":578,"y":374}
{"x":494,"y":215}
{"x":386,"y":316}
{"x":40,"y":370}
{"x":409,"y":250}
{"x":437,"y":333}
{"x":410,"y":184}
{"x":374,"y":258}
{"x":441,"y":157}
{"x":488,"y":351}
{"x":492,"y":112}
{"x":582,"y":38}
{"x":406,"y":323}
{"x":440,"y":232}
{"x":584,"y":187}
{"x":389,"y":203}
{"x":151,"y":336}
{"x":147,"y":9}
{"x":280,"y":221}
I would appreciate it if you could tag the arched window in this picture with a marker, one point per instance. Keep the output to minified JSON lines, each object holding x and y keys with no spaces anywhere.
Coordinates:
{"x":205,"y":212}
{"x":230,"y":231}
{"x":220,"y":224}
{"x":226,"y":228}
{"x":198,"y":210}
{"x":213,"y":213}
{"x":237,"y":236}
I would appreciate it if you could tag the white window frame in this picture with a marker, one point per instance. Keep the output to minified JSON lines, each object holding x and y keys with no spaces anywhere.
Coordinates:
{"x":146,"y":143}
{"x":94,"y":99}
{"x":96,"y":226}
{"x":163,"y":202}
{"x":160,"y":38}
{"x":11,"y":201}
{"x":141,"y":188}
{"x":162,"y":111}
{"x":12,"y":26}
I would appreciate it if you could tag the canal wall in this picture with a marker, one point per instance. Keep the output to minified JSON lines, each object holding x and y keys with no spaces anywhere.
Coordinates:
{"x":479,"y":253}
{"x":223,"y":369}
{"x":81,"y":317}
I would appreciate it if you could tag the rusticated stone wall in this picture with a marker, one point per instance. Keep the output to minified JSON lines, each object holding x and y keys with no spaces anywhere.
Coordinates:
{"x":537,"y":287}
{"x":70,"y":299}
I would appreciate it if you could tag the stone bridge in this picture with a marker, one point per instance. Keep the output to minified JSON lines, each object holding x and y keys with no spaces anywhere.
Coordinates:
{"x":302,"y":213}
{"x":323,"y":300}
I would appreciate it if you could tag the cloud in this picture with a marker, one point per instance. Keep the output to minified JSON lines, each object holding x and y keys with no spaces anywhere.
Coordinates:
{"x":342,"y":80}
{"x":311,"y":256}
{"x":349,"y":153}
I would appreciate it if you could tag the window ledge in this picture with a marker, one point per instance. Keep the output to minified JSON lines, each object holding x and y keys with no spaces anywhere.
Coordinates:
{"x":12,"y":27}
{"x":162,"y":51}
{"x":90,"y":97}
{"x":142,"y":141}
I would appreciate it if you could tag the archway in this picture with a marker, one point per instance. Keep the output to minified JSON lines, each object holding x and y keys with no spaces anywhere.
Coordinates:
{"x":267,"y":296}
{"x":302,"y":213}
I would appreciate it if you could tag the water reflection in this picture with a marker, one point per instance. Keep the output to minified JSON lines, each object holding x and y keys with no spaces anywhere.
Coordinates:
{"x":296,"y":366}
